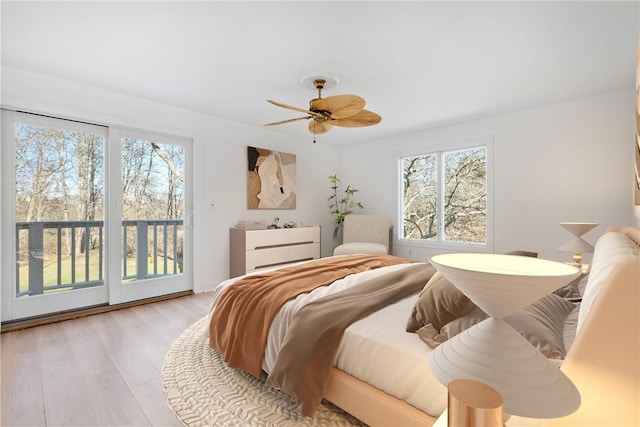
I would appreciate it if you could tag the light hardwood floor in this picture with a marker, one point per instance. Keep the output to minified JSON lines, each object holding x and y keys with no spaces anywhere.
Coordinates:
{"x":100,"y":370}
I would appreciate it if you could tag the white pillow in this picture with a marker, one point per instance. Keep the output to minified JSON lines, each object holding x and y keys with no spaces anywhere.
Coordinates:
{"x":361,"y":248}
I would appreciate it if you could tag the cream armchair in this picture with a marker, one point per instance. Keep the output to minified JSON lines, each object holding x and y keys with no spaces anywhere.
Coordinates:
{"x":365,"y":234}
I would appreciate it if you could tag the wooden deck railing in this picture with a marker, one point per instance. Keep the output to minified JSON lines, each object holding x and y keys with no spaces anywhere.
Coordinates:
{"x":84,"y":266}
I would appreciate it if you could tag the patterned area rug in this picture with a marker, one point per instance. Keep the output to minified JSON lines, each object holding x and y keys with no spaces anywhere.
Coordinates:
{"x":202,"y":391}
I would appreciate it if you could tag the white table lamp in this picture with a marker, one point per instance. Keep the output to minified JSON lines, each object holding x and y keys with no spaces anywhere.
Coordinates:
{"x":577,"y":245}
{"x":492,"y":352}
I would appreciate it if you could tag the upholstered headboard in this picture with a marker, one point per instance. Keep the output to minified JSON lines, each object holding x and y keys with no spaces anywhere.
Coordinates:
{"x":603,"y":360}
{"x":617,"y":245}
{"x":632,"y":232}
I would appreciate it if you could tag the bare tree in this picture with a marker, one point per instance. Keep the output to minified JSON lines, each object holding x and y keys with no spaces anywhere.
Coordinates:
{"x":169,"y":161}
{"x":62,"y":180}
{"x":36,"y":174}
{"x":60,"y":176}
{"x":420,"y":197}
{"x":137,"y":164}
{"x":90,"y":180}
{"x":153,"y":189}
{"x":464,"y":198}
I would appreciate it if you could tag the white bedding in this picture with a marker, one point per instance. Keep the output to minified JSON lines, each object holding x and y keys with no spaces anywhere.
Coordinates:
{"x":376,"y":349}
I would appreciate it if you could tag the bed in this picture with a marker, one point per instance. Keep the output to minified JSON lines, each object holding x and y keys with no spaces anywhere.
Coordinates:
{"x":379,"y":372}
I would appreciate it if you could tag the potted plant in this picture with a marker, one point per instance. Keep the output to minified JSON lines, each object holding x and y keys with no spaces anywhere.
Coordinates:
{"x":341,"y":206}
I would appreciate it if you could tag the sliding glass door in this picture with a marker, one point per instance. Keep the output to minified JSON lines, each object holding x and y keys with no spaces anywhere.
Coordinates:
{"x":53,"y":204}
{"x":152,"y":215}
{"x":90,"y":215}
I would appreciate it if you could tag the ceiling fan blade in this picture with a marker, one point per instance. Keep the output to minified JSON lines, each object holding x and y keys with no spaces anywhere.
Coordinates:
{"x":290,"y":107}
{"x":287,"y":121}
{"x":363,"y":118}
{"x":318,"y":128}
{"x":340,"y":106}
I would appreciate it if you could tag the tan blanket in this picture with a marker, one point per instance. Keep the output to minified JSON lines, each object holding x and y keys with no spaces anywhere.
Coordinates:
{"x":310,"y":346}
{"x":242,"y":317}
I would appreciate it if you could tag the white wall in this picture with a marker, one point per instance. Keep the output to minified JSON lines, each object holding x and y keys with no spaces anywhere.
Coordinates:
{"x":561,"y":162}
{"x":220,"y":159}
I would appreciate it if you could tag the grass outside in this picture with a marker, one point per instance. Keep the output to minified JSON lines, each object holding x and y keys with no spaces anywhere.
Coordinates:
{"x":50,"y":270}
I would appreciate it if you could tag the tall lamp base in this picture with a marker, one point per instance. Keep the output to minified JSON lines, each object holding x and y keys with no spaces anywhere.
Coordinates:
{"x":471,"y":403}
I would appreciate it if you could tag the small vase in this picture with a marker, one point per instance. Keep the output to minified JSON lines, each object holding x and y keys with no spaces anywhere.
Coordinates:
{"x":337,"y":235}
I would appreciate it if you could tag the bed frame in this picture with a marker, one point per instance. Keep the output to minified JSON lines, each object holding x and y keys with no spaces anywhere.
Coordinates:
{"x":371,"y":405}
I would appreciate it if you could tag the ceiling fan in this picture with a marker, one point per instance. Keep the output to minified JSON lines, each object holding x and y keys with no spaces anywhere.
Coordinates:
{"x":337,"y":110}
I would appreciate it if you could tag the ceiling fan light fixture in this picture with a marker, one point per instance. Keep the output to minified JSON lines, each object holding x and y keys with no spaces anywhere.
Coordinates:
{"x":309,"y":81}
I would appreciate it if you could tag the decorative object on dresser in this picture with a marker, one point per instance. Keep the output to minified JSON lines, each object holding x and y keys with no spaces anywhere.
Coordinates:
{"x":493,"y":352}
{"x":252,"y":250}
{"x":577,"y":245}
{"x":252,"y":225}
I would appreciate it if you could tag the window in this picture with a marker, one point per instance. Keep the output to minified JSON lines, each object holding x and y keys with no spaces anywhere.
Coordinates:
{"x":444,"y":196}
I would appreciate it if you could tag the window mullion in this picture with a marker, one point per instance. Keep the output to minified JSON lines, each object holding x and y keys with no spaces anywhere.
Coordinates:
{"x":440,"y":199}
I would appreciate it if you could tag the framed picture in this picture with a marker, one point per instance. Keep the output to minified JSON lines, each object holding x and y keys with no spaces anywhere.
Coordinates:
{"x":271,"y":179}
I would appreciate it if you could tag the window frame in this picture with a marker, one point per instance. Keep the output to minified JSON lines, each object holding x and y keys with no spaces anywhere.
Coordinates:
{"x":439,"y":149}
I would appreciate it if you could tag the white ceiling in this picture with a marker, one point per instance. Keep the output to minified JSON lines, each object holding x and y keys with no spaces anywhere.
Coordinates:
{"x":417,"y":64}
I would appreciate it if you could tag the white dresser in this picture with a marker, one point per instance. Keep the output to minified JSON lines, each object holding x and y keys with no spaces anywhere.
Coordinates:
{"x":252,"y":250}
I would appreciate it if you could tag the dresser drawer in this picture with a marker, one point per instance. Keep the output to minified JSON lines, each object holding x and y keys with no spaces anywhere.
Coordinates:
{"x":256,"y":239}
{"x":280,"y":255}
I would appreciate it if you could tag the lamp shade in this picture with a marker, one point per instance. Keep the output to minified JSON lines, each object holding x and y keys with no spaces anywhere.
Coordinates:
{"x":578,"y":228}
{"x":577,"y":244}
{"x":492,"y":352}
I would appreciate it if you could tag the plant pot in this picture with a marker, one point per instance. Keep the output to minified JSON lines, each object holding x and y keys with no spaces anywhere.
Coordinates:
{"x":337,"y":235}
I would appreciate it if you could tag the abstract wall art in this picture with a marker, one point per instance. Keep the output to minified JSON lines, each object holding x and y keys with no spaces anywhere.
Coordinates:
{"x":271,"y":179}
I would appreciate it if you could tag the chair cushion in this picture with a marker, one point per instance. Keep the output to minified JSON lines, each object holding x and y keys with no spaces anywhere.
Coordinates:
{"x":366,"y":228}
{"x":361,"y":248}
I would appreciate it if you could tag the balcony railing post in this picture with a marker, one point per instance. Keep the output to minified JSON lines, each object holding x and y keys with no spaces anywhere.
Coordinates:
{"x":36,"y":253}
{"x":142,"y":250}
